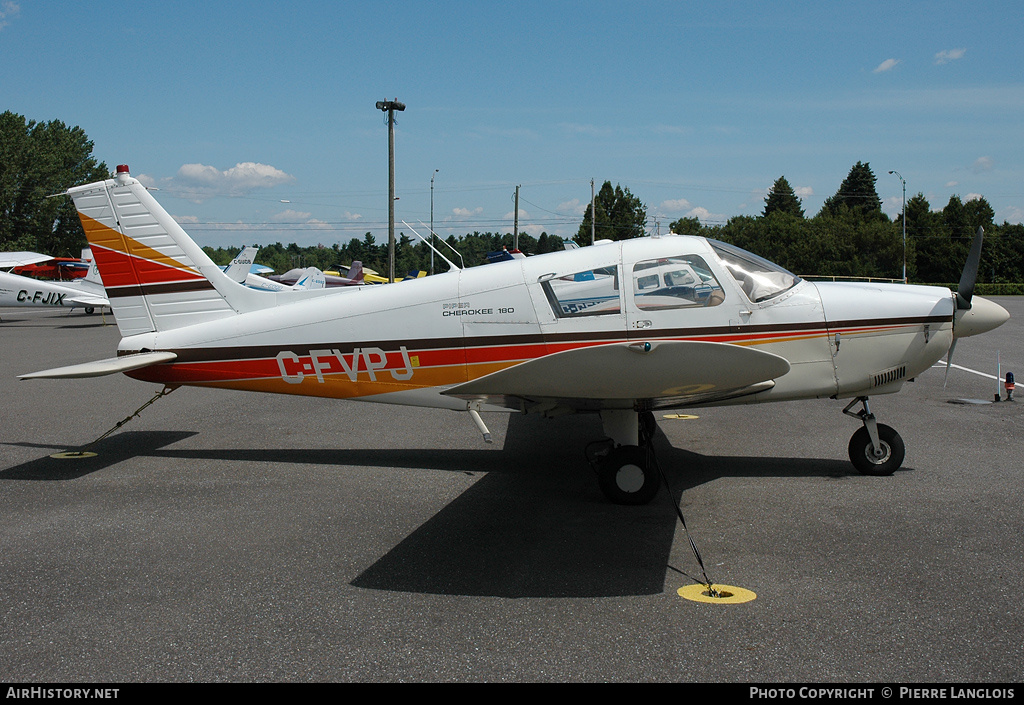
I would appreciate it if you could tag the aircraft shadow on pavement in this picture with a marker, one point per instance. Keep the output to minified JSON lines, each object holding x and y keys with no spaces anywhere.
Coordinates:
{"x":538,"y":526}
{"x":109,"y":451}
{"x":535,"y":525}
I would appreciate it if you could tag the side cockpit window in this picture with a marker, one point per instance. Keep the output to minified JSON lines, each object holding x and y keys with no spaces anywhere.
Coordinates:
{"x":760,"y":279}
{"x":675,"y":282}
{"x":593,"y":292}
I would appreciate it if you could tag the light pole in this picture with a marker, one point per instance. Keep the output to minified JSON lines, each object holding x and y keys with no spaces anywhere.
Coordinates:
{"x":390,"y":106}
{"x":432,"y":220}
{"x":904,"y":182}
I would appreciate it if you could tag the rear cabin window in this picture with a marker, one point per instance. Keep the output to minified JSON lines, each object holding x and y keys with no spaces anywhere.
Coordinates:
{"x":593,"y":292}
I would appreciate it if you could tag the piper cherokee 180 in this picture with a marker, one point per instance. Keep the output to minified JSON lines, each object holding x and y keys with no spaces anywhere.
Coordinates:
{"x":619,"y":329}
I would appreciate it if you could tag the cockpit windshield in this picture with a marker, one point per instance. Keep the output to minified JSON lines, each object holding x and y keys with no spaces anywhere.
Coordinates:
{"x":760,"y":279}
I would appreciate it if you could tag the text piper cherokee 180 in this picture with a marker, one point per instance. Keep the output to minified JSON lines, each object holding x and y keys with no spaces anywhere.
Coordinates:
{"x":619,"y":329}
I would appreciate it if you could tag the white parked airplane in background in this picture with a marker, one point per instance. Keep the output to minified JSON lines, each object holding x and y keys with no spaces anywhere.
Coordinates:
{"x":245,"y":263}
{"x":240,"y":270}
{"x":16,"y":290}
{"x":719,"y":326}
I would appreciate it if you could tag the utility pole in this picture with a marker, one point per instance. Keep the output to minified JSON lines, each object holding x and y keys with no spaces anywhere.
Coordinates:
{"x":390,"y":106}
{"x":515,"y":226}
{"x":432,"y":220}
{"x":900,"y":177}
{"x":593,"y":214}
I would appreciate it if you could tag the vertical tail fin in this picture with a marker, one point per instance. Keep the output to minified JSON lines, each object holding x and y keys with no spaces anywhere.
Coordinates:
{"x":155,"y":276}
{"x":311,"y":278}
{"x":355,"y":272}
{"x":241,"y":265}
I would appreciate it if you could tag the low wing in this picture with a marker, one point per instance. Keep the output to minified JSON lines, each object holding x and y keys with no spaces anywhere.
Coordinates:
{"x":18,"y":259}
{"x":99,"y":368}
{"x":659,"y":373}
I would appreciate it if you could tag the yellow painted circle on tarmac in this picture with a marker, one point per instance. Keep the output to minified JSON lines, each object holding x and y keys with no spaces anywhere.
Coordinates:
{"x":71,"y":454}
{"x":727,"y":594}
{"x":680,"y":416}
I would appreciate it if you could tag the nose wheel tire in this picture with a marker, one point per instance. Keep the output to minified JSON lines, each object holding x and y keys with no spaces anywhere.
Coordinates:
{"x":884,"y":462}
{"x":626,"y":476}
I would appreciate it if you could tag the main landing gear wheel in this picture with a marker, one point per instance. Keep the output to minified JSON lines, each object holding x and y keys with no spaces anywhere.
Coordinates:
{"x":884,"y":460}
{"x":627,"y":476}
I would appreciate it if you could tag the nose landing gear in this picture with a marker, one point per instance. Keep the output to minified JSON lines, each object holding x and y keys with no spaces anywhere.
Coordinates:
{"x":875,"y":449}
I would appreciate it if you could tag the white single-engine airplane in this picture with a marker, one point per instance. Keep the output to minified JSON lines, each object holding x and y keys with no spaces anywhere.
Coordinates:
{"x":240,"y":270}
{"x":88,"y":293}
{"x":722,"y":327}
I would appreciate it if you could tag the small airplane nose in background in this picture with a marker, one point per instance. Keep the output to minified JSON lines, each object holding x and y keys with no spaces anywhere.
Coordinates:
{"x":981,"y":317}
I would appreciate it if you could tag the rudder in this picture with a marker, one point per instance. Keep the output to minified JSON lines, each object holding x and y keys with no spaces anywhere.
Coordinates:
{"x":155,"y":276}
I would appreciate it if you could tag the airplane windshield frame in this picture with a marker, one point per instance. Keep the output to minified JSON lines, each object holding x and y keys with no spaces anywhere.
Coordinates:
{"x":760,"y":279}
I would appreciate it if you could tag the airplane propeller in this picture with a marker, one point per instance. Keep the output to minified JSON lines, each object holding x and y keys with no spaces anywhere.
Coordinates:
{"x":965,"y":292}
{"x":965,"y":289}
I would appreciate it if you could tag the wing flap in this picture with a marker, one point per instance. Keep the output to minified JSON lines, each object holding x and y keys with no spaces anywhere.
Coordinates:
{"x":99,"y":368}
{"x":673,"y":369}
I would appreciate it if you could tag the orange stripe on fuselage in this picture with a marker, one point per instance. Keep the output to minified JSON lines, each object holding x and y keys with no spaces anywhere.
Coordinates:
{"x":349,"y":376}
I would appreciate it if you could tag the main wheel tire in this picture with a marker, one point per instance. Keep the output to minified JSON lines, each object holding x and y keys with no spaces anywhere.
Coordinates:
{"x":863,"y":457}
{"x":626,"y":477}
{"x":89,"y":310}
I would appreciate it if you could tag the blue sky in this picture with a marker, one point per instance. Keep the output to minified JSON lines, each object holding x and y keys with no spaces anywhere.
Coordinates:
{"x":257,"y":122}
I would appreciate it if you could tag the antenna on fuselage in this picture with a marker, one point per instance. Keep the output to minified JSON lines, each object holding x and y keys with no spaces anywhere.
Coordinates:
{"x":428,"y":244}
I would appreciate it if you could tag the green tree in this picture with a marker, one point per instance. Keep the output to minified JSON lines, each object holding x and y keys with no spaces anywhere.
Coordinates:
{"x":979,"y":213}
{"x":685,"y":226}
{"x":620,"y":216}
{"x":782,"y":198}
{"x":38,"y":160}
{"x":857,"y":194}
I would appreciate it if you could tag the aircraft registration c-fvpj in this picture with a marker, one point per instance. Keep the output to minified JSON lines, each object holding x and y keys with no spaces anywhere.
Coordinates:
{"x":619,"y":329}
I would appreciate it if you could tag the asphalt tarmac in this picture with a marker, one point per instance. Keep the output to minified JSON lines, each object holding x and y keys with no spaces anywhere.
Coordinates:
{"x":228,"y":536}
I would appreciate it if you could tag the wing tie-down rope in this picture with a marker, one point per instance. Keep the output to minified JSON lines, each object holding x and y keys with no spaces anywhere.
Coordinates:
{"x":647,"y":426}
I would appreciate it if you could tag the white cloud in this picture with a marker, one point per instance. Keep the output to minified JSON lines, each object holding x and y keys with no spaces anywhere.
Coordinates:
{"x":466,"y":212}
{"x":291,"y":215}
{"x":982,"y":164}
{"x":887,"y":65}
{"x":675,"y":205}
{"x":8,"y":11}
{"x":947,"y":55}
{"x":803,"y":191}
{"x":952,"y":184}
{"x":1012,"y":214}
{"x":893,"y":205}
{"x":972,"y":197}
{"x":705,"y":216}
{"x":198,"y":182}
{"x":573,"y":207}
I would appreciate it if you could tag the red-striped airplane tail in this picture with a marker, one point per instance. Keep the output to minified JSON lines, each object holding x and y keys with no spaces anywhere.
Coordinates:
{"x":155,"y":276}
